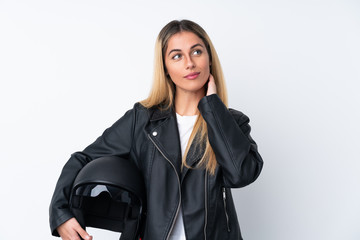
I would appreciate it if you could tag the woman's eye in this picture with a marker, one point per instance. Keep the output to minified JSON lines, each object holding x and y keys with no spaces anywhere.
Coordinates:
{"x":176,"y":57}
{"x":197,"y":52}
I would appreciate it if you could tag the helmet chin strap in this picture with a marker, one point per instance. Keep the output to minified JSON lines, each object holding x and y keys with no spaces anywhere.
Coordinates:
{"x":132,"y":223}
{"x":129,"y":232}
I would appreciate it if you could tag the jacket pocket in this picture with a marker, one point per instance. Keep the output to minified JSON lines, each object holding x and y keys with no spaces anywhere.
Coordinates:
{"x":225,"y":208}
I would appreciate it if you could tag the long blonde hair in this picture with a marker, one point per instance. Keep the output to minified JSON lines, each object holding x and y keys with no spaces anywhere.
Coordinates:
{"x":163,"y":89}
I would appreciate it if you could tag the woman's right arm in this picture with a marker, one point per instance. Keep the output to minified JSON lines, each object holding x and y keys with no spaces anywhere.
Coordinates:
{"x":115,"y":141}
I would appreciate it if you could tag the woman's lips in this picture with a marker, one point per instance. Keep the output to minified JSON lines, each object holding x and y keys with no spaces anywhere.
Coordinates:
{"x":192,"y":76}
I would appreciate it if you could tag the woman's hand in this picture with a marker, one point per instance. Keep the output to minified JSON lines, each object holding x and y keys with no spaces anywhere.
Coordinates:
{"x":71,"y":230}
{"x":211,"y":88}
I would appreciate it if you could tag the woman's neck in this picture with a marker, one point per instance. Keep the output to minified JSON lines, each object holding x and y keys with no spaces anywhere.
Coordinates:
{"x":186,"y":102}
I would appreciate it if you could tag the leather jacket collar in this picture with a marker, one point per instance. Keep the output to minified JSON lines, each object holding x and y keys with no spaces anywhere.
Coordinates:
{"x":158,"y":113}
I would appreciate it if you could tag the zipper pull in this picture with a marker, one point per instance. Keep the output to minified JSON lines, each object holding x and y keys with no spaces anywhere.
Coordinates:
{"x":224,"y":193}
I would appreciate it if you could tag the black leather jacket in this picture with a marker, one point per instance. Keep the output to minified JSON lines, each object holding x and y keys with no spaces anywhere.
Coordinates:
{"x":150,"y":137}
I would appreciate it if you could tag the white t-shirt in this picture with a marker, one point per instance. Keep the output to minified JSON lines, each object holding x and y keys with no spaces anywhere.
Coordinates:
{"x":185,"y":125}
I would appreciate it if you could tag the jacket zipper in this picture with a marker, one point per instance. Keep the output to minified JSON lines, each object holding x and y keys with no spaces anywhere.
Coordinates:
{"x":178,"y":207}
{"x":206,"y":211}
{"x":225,"y":209}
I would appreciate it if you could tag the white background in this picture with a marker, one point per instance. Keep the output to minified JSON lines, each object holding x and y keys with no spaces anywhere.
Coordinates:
{"x":69,"y":69}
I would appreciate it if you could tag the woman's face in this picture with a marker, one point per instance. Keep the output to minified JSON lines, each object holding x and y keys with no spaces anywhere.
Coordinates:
{"x":187,"y":62}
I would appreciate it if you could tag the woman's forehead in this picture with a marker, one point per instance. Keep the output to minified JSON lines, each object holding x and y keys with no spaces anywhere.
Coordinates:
{"x":183,"y":41}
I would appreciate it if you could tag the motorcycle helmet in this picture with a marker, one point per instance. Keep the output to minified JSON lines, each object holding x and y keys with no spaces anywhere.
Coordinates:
{"x":109,"y":193}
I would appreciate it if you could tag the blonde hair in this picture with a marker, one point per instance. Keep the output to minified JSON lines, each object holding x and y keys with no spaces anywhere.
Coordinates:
{"x":163,"y":89}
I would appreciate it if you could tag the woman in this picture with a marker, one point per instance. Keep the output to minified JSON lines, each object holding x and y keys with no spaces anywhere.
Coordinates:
{"x":190,"y":148}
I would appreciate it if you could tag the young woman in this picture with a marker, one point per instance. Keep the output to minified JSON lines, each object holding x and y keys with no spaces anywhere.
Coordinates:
{"x":190,"y":148}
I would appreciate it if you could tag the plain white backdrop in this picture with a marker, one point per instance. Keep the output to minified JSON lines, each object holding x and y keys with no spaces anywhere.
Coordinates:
{"x":69,"y":69}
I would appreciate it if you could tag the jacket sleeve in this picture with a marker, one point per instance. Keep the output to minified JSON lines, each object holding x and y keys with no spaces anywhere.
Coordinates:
{"x":116,"y":140}
{"x":229,"y":136}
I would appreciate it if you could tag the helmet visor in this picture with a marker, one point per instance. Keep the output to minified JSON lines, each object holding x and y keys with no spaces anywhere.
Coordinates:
{"x":106,"y":202}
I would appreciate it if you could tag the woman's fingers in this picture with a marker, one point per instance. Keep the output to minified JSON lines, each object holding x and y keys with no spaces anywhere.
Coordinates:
{"x":71,"y":230}
{"x":211,"y":86}
{"x":83,"y":233}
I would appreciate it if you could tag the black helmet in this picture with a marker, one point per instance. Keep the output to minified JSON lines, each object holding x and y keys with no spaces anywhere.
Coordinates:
{"x":109,"y":193}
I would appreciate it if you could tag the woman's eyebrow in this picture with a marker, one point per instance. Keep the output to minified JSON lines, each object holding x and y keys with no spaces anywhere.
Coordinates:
{"x":179,"y":50}
{"x":174,"y":50}
{"x":196,"y":45}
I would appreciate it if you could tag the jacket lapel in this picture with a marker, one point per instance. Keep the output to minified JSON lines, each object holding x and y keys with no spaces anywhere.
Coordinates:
{"x":163,"y":130}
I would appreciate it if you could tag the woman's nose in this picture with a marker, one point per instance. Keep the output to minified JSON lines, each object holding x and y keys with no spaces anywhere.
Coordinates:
{"x":190,"y":64}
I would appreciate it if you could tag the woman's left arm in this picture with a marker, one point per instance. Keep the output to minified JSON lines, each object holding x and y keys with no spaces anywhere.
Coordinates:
{"x":229,"y":136}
